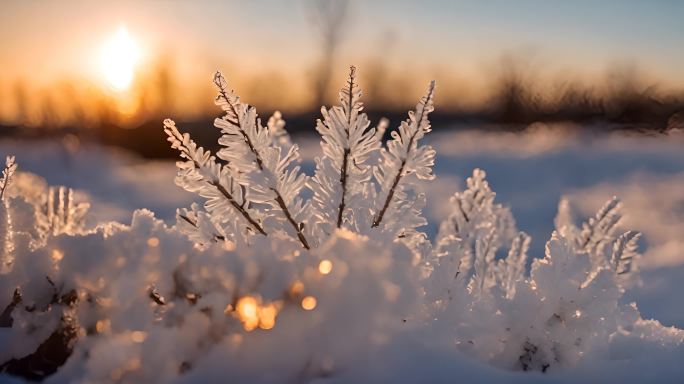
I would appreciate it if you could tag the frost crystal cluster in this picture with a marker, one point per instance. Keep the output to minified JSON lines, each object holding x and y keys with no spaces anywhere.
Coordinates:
{"x":278,"y":276}
{"x":254,"y":185}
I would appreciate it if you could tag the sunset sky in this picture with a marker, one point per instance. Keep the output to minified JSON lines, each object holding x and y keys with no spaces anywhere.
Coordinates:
{"x":276,"y":43}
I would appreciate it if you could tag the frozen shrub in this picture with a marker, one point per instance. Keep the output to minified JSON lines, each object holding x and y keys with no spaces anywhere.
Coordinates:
{"x":567,"y":308}
{"x":468,"y":241}
{"x":258,"y":188}
{"x":257,"y":283}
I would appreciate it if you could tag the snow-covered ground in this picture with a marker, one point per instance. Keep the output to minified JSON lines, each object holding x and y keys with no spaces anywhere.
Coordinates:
{"x":530,"y":172}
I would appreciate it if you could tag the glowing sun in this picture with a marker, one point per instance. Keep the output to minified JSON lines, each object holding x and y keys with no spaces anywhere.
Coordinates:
{"x":118,"y":60}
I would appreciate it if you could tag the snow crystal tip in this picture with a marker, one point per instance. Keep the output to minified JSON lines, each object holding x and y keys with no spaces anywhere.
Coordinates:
{"x":220,"y":81}
{"x":431,"y":90}
{"x":10,"y":163}
{"x":425,"y":107}
{"x":7,"y":173}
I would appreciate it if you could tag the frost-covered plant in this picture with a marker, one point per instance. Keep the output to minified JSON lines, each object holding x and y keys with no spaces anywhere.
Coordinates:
{"x":342,"y":176}
{"x":5,"y":219}
{"x":468,"y":240}
{"x":599,"y":238}
{"x":568,"y":306}
{"x":250,"y":260}
{"x":260,"y":183}
{"x":260,"y":284}
{"x":37,"y":323}
{"x":133,"y":289}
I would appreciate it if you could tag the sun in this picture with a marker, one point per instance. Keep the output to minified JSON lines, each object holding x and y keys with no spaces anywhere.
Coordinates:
{"x":118,"y":60}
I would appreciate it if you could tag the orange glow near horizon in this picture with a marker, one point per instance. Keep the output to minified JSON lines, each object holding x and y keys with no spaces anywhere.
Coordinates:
{"x":136,"y":61}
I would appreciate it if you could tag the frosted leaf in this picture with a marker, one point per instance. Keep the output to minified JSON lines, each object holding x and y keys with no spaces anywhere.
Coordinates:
{"x":484,"y":275}
{"x":198,"y":226}
{"x":225,"y":196}
{"x":59,"y":213}
{"x":512,"y":268}
{"x":596,"y":236}
{"x":600,"y":229}
{"x":270,"y":175}
{"x":476,"y":220}
{"x":7,"y":173}
{"x":625,"y":257}
{"x":341,"y":173}
{"x":6,"y":230}
{"x":276,"y":128}
{"x":6,"y":238}
{"x":565,"y":221}
{"x":402,"y":157}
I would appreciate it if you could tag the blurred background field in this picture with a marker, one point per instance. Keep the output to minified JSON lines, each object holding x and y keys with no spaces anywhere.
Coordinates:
{"x":108,"y":72}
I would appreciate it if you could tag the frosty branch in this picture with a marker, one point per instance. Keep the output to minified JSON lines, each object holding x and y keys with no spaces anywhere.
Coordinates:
{"x":404,"y":149}
{"x":202,"y":174}
{"x":7,"y":172}
{"x":241,"y":127}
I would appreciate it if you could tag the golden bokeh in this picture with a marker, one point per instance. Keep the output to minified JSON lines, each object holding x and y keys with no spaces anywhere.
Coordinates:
{"x":57,"y":255}
{"x":309,"y":303}
{"x":325,"y":267}
{"x":254,"y":315}
{"x":153,"y":242}
{"x":138,"y":336}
